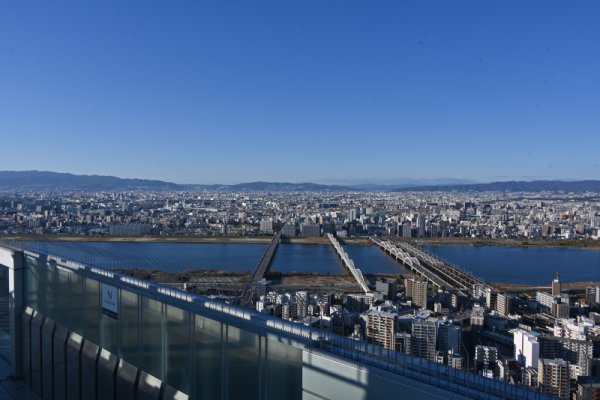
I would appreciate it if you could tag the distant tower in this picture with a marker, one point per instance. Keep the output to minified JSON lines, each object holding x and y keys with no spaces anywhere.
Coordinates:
{"x":556,"y":286}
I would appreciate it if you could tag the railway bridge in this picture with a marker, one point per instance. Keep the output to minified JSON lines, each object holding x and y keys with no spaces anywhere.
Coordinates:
{"x":436,"y":271}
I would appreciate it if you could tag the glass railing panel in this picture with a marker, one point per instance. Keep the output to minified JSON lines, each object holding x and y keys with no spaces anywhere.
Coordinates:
{"x":151,"y":334}
{"x":50,"y":294}
{"x":5,"y":348}
{"x":284,"y":371}
{"x":41,"y":287}
{"x":92,"y":310}
{"x":243,"y":359}
{"x":110,"y":333}
{"x":208,"y":358}
{"x":177,"y":349}
{"x":130,"y":331}
{"x":64,"y":301}
{"x":32,"y":284}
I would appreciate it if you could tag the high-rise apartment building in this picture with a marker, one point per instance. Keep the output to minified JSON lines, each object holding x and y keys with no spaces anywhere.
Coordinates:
{"x":577,"y":352}
{"x":485,"y":357}
{"x":545,"y":301}
{"x":553,"y":377}
{"x":381,"y":328}
{"x":311,"y":230}
{"x":288,"y":231}
{"x":455,"y":360}
{"x":301,"y":303}
{"x":477,"y":317}
{"x":406,"y":230}
{"x":449,"y":337}
{"x":424,"y":335}
{"x":416,"y":290}
{"x":592,"y":295}
{"x":266,"y":225}
{"x":491,"y":297}
{"x":421,"y":225}
{"x":561,"y":310}
{"x":504,"y":304}
{"x":403,"y":342}
{"x":359,"y":302}
{"x":527,"y":347}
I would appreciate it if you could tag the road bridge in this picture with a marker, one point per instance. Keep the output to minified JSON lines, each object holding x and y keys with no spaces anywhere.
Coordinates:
{"x":348,"y":263}
{"x":259,"y":272}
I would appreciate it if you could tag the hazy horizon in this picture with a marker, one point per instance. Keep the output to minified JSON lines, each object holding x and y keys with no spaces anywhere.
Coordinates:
{"x":399,"y":182}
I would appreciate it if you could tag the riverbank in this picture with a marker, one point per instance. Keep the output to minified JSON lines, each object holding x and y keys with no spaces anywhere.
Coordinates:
{"x":556,"y":243}
{"x":232,"y":282}
{"x":574,"y":287}
{"x":185,"y":239}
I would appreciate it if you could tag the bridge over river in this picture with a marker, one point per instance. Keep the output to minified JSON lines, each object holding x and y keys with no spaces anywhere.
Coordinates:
{"x":436,"y":271}
{"x":259,"y":272}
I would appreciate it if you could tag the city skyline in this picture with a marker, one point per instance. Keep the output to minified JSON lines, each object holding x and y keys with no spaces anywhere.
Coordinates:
{"x":223,"y":93}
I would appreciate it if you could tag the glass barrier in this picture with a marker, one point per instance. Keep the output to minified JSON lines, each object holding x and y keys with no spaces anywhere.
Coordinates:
{"x":213,"y":350}
{"x":5,"y":351}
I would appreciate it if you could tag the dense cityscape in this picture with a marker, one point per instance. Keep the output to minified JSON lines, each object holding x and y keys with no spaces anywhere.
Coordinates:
{"x":413,"y":214}
{"x":548,"y":339}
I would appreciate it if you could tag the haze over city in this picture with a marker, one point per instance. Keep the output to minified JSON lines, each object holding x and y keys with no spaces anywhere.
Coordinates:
{"x":225,"y":92}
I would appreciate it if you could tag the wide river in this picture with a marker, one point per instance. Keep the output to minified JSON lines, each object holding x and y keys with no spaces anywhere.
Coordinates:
{"x":526,"y":265}
{"x":234,"y":257}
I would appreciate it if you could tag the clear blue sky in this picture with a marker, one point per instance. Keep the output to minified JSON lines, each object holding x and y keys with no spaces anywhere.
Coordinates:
{"x":217,"y":91}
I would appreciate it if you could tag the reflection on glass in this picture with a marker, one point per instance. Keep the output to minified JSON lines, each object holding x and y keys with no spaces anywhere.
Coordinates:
{"x":130,"y":334}
{"x":5,"y":351}
{"x":177,"y":340}
{"x":152,"y":337}
{"x":242,"y":363}
{"x":64,"y":301}
{"x":32,"y":283}
{"x":49,"y":298}
{"x":109,"y":333}
{"x":207,"y":341}
{"x":284,"y":371}
{"x":92,"y":310}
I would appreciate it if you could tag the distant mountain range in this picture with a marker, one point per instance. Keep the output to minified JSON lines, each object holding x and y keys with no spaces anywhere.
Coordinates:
{"x":45,"y":180}
{"x":276,"y":187}
{"x":512,"y":186}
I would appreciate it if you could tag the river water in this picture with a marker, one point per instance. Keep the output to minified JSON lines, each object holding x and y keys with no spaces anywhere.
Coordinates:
{"x":526,"y":265}
{"x":233,"y":257}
